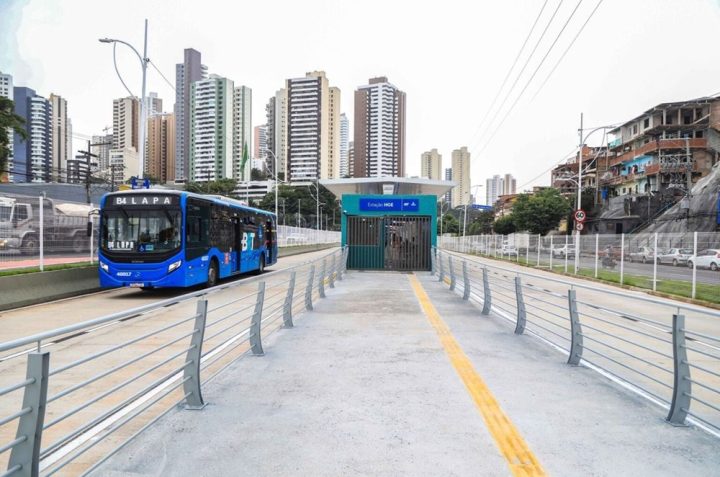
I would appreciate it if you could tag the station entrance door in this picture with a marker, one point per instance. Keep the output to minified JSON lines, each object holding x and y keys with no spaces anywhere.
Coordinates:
{"x":401,"y":243}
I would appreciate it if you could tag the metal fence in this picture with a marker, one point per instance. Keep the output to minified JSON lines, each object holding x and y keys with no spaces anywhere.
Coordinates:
{"x":71,"y":397}
{"x":658,"y":262}
{"x":667,"y":351}
{"x":37,"y":232}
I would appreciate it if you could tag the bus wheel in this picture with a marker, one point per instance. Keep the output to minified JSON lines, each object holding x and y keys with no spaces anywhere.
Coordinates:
{"x":212,"y":274}
{"x":261,"y":267}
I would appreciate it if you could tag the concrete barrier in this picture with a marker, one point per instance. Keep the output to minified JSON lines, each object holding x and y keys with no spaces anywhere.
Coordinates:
{"x":40,"y":287}
{"x":31,"y":288}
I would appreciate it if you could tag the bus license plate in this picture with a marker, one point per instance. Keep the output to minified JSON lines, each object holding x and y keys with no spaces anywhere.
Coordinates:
{"x":137,"y":285}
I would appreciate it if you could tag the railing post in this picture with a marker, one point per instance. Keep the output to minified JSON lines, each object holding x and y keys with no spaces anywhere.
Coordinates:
{"x":192,"y":386}
{"x":433,"y":263}
{"x":345,"y":258}
{"x":27,"y":453}
{"x":441,"y":275}
{"x":576,"y":338}
{"x":452,"y":273}
{"x":520,"y":325}
{"x":321,"y":282}
{"x":287,"y":306}
{"x":340,"y":265}
{"x":331,"y":276}
{"x":256,"y":322}
{"x":681,"y":385}
{"x":309,"y":289}
{"x":487,"y":297}
{"x":466,"y":282}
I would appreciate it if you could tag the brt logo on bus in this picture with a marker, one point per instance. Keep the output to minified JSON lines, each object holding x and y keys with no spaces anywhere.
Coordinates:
{"x":247,"y":241}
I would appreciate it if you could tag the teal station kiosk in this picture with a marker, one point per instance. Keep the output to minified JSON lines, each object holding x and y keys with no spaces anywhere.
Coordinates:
{"x":389,"y":231}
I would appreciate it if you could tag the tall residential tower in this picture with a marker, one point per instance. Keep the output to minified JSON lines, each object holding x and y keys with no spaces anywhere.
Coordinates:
{"x":187,"y":72}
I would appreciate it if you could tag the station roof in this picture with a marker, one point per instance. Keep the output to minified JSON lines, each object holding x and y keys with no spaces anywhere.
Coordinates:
{"x":380,"y":185}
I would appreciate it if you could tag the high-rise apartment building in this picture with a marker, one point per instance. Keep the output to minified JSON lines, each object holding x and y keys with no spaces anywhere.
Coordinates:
{"x":509,"y":185}
{"x":351,"y":158}
{"x":61,"y":137}
{"x":101,"y":148}
{"x":276,"y":132}
{"x":242,"y":133}
{"x":126,"y":119}
{"x":494,"y":188}
{"x":211,"y":129}
{"x":344,"y":144}
{"x":6,"y":91}
{"x":153,"y":104}
{"x":461,"y":175}
{"x":260,"y":142}
{"x":379,"y":130}
{"x":431,"y":164}
{"x":33,"y":158}
{"x":160,"y":163}
{"x":313,"y":123}
{"x":124,"y":164}
{"x":448,"y":177}
{"x":187,"y":72}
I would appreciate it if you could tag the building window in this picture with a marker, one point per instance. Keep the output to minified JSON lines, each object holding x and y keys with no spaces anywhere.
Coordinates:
{"x":635,"y":129}
{"x":646,"y":123}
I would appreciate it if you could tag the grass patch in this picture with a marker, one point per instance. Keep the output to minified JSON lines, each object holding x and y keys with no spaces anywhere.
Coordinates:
{"x":703,"y":291}
{"x":48,"y":268}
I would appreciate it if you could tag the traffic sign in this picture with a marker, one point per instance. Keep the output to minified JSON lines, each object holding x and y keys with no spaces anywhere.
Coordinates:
{"x":579,"y":226}
{"x":580,"y":215}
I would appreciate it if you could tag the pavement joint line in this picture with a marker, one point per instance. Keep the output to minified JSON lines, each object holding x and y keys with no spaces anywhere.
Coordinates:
{"x":507,"y":437}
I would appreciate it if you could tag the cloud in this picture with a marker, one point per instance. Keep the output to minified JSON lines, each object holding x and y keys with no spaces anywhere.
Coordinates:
{"x":11,"y":13}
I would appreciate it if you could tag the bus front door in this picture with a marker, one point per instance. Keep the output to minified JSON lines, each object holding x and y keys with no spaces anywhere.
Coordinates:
{"x":237,"y":244}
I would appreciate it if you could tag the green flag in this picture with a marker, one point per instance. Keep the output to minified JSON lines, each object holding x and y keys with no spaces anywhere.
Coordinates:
{"x":244,"y":160}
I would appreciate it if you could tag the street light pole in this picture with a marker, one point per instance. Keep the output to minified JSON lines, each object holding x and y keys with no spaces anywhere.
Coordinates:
{"x":143,"y":107}
{"x":579,"y":196}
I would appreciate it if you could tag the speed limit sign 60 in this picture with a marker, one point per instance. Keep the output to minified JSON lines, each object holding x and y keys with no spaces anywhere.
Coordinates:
{"x":580,"y":215}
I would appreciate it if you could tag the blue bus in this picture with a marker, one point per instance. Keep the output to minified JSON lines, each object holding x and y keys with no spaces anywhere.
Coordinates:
{"x":157,"y":238}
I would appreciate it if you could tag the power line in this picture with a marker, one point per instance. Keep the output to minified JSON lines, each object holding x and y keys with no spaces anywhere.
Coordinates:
{"x":567,"y":49}
{"x":517,"y":99}
{"x":519,"y":75}
{"x":517,"y":57}
{"x":162,"y":75}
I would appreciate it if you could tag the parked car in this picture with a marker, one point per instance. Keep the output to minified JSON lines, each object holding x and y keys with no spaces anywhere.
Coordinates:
{"x":709,"y":258}
{"x":565,"y":250}
{"x":508,"y":250}
{"x":643,"y":255}
{"x":675,"y":256}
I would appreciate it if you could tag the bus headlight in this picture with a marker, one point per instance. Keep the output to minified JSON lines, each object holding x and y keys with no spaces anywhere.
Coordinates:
{"x":105,"y":267}
{"x":174,"y":266}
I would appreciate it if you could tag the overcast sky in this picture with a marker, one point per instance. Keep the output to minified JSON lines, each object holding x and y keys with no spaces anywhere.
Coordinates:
{"x":450,"y":57}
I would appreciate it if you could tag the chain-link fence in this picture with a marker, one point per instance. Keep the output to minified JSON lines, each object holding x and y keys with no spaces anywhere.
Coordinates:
{"x":685,"y":264}
{"x":41,"y":232}
{"x":38,"y":232}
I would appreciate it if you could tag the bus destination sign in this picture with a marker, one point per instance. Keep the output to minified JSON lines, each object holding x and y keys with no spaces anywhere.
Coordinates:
{"x":144,"y":199}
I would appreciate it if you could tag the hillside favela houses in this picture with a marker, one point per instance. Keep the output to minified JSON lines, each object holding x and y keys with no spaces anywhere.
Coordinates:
{"x":659,"y":166}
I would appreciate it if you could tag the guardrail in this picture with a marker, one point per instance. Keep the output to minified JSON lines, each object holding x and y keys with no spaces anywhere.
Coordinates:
{"x":67,"y":391}
{"x":667,"y":351}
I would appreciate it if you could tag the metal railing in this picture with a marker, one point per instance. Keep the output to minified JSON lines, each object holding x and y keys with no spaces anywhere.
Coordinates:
{"x":667,"y":351}
{"x":65,"y":392}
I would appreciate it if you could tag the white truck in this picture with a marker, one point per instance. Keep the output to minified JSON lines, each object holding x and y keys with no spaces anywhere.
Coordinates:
{"x":64,"y":226}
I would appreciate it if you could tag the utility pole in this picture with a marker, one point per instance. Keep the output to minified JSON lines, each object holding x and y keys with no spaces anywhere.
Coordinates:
{"x":579,"y":195}
{"x":298,"y":214}
{"x":688,"y":173}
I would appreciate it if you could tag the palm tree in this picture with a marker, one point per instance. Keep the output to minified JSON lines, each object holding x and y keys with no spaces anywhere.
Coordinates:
{"x":8,"y":121}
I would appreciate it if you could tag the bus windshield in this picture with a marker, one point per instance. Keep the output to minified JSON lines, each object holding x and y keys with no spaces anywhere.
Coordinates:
{"x":141,"y":231}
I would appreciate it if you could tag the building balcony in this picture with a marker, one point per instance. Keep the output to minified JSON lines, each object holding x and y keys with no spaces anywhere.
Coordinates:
{"x":676,"y":143}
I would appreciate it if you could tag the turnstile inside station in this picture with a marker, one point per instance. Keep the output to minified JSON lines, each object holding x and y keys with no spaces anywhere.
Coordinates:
{"x":401,"y":243}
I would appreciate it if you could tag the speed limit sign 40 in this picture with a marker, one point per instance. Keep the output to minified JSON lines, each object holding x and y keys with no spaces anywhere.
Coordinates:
{"x":580,"y":215}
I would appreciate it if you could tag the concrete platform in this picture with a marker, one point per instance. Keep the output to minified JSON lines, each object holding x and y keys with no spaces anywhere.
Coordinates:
{"x":363,"y":386}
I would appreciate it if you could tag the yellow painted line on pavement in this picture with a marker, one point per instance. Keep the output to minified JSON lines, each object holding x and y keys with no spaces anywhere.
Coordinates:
{"x":513,"y":447}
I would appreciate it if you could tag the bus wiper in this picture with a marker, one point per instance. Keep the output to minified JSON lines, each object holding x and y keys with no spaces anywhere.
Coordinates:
{"x":169,"y":217}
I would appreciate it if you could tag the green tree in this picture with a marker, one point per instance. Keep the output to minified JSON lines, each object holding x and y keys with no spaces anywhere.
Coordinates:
{"x":304,"y":198}
{"x":258,"y":175}
{"x":539,"y":213}
{"x":450,"y":224}
{"x":9,"y":121}
{"x":505,"y":225}
{"x":222,"y":187}
{"x":482,"y":222}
